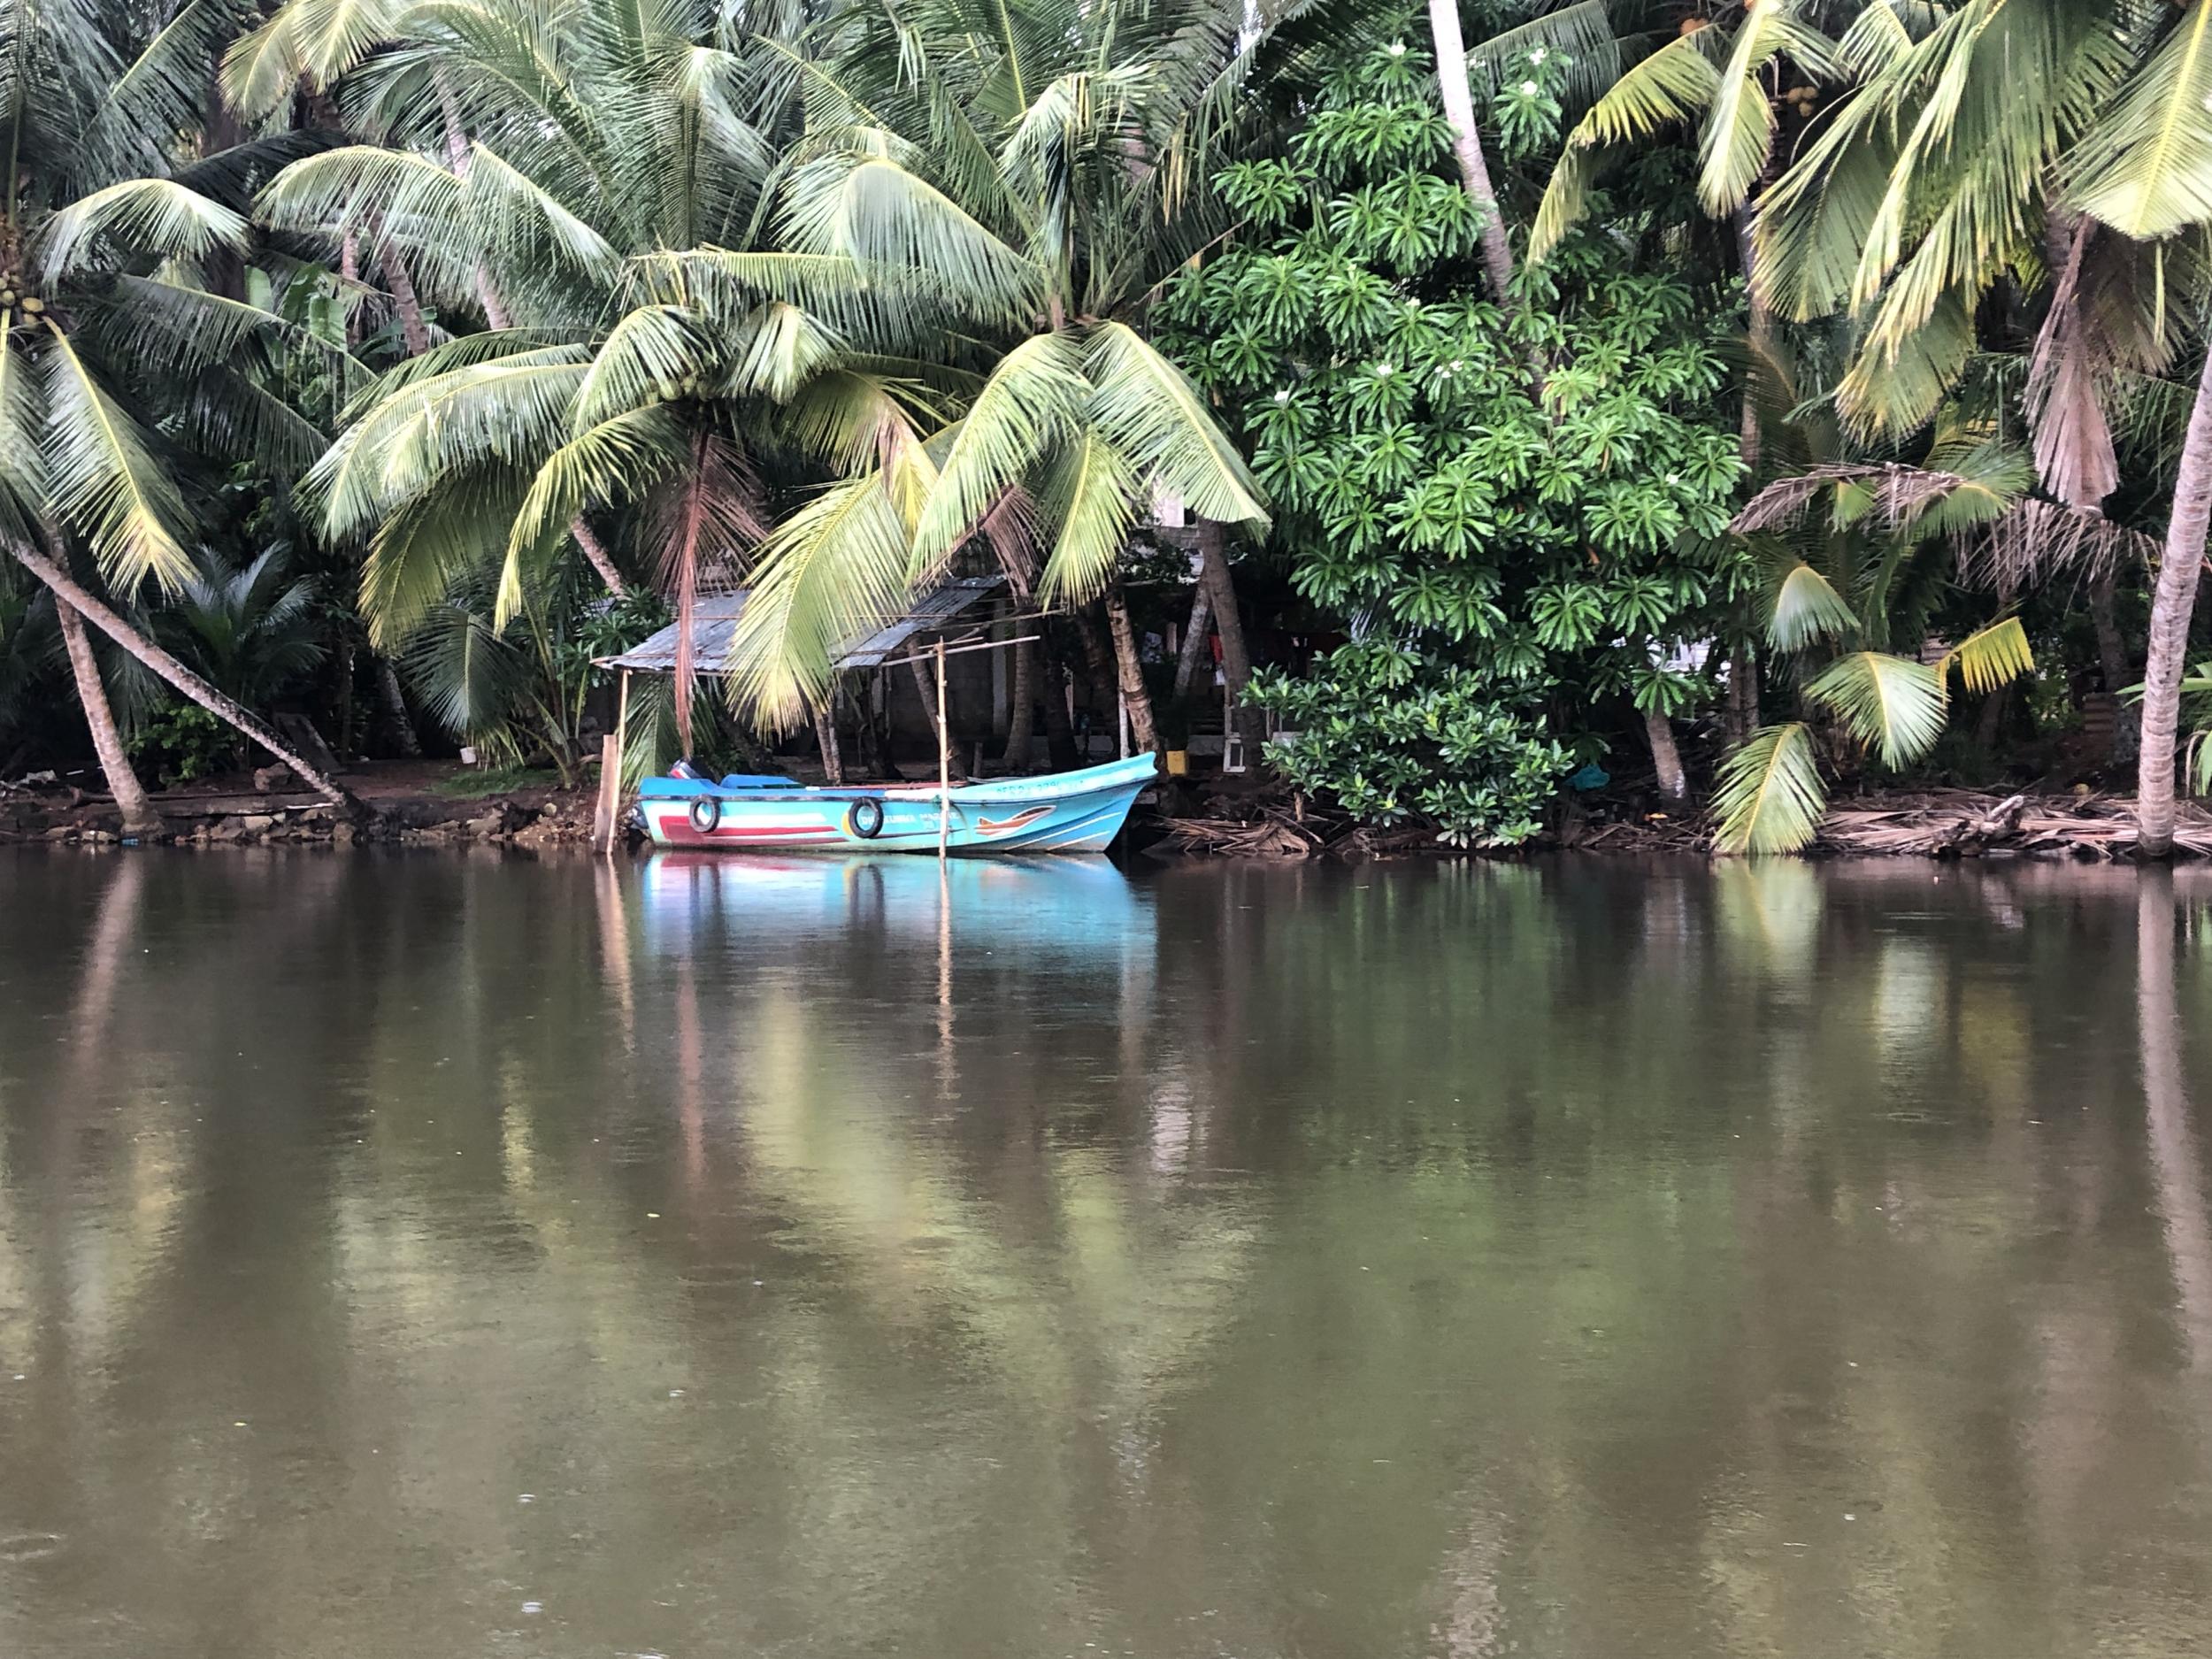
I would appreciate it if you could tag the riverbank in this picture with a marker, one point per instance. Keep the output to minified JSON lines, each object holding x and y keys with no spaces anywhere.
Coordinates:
{"x":1924,"y":823}
{"x":439,"y":803}
{"x":416,"y":803}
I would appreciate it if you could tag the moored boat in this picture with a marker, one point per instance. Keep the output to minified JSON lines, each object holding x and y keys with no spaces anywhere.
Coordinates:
{"x":1066,"y":812}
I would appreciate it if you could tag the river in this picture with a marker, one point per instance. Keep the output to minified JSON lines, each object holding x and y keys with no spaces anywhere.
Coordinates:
{"x":409,"y":1255}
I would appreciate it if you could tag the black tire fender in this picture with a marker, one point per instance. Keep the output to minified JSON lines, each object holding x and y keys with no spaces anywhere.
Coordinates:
{"x":865,"y":818}
{"x":706,"y":814}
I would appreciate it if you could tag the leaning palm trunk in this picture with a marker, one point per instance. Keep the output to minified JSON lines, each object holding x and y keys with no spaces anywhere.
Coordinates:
{"x":1474,"y":170}
{"x":139,"y":817}
{"x":2171,"y":605}
{"x":71,"y":592}
{"x":1194,"y":638}
{"x":1129,"y":671}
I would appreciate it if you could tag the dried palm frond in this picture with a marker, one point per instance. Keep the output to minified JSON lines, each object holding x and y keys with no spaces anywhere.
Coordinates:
{"x":1898,"y":492}
{"x":2102,"y":330}
{"x":2036,"y":540}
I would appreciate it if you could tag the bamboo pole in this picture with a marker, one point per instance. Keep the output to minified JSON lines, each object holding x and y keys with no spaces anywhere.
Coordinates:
{"x":944,"y":759}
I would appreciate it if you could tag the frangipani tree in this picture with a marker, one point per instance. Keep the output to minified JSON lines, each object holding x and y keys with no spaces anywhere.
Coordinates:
{"x":1035,"y":163}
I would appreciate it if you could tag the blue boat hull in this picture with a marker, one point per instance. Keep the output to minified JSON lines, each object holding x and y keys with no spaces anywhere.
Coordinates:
{"x":1070,"y":812}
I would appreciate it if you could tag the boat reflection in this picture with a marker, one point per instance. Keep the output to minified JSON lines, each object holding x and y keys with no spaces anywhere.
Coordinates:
{"x":1075,"y":911}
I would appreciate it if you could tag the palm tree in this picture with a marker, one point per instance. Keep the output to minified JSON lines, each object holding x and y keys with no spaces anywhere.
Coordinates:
{"x":640,"y":367}
{"x":2018,"y":133}
{"x":1037,"y":165}
{"x":1841,"y":600}
{"x":1858,"y":555}
{"x":120,"y":355}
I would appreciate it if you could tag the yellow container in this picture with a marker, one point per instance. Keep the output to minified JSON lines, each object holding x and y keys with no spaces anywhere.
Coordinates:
{"x":1179,"y":763}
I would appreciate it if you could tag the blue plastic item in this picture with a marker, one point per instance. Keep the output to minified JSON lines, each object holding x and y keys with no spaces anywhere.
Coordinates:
{"x":1591,"y":777}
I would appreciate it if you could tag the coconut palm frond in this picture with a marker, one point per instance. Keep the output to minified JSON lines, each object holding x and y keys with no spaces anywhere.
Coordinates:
{"x":1990,"y":657}
{"x":615,"y":462}
{"x":871,"y":209}
{"x":1090,"y":494}
{"x":1677,"y":83}
{"x":2034,"y":542}
{"x":834,"y":569}
{"x":1805,"y":608}
{"x":467,"y":674}
{"x":2147,"y":169}
{"x":781,"y":350}
{"x":149,"y":216}
{"x":1739,"y":136}
{"x":1146,"y":406}
{"x":1769,"y":798}
{"x":100,"y":467}
{"x":1892,"y":704}
{"x":1033,"y":401}
{"x":656,"y":352}
{"x":428,"y":545}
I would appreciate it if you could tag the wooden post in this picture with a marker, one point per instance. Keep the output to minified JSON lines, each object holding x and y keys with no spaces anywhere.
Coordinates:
{"x":613,"y":757}
{"x":944,"y":758}
{"x":604,"y":817}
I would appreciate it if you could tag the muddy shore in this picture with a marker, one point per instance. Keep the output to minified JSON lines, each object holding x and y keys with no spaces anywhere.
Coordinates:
{"x":417,"y":806}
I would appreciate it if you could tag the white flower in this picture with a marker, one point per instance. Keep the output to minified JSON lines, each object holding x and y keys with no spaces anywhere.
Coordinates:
{"x":1537,"y":57}
{"x":1397,"y":48}
{"x":1383,"y":370}
{"x":1528,"y":89}
{"x":1673,"y":479}
{"x":1282,"y":394}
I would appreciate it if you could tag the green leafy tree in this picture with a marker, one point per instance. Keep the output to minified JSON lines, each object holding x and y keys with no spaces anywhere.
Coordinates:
{"x":1544,"y":556}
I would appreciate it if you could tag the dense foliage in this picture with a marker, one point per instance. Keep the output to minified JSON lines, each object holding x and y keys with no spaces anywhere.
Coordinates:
{"x":1725,"y":393}
{"x":1518,"y":510}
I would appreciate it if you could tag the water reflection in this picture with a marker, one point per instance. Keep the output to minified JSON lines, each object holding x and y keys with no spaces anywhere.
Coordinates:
{"x":1003,"y":1258}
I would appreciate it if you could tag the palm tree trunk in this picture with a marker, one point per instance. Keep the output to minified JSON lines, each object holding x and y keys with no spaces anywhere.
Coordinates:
{"x":826,"y":739}
{"x":1020,"y":696}
{"x":2172,"y":602}
{"x":1760,"y":324}
{"x":1129,"y":669}
{"x":67,"y":589}
{"x":139,"y":817}
{"x":412,"y":329}
{"x":595,"y":550}
{"x":1666,"y":759}
{"x":1059,"y":728}
{"x":1743,"y":694}
{"x":1193,"y":652}
{"x":395,"y":700}
{"x":1474,"y":171}
{"x":1236,"y":659}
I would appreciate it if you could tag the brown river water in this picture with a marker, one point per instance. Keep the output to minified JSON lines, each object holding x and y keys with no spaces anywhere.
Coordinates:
{"x":413,"y":1256}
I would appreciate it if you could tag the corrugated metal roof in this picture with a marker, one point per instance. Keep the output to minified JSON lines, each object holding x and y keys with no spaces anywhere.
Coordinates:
{"x":714,"y":622}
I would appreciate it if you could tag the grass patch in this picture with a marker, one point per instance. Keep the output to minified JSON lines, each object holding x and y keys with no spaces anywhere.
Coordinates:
{"x":475,"y":784}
